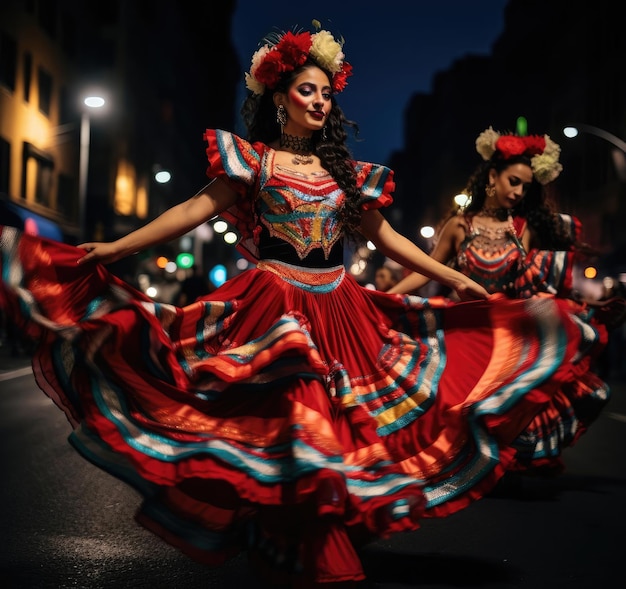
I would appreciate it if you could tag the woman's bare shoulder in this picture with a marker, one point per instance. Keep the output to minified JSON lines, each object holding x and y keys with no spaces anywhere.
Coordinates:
{"x":455,"y":224}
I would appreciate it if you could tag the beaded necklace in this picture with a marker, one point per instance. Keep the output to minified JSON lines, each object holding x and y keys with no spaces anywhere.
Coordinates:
{"x":304,"y":145}
{"x":494,"y":234}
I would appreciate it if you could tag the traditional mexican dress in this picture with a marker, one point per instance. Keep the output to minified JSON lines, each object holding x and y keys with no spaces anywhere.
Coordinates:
{"x":498,"y":261}
{"x":291,"y":413}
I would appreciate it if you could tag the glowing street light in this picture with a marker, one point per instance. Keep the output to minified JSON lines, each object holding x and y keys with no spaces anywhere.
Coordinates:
{"x":427,"y":231}
{"x":94,"y":101}
{"x":163,"y":176}
{"x":462,"y":200}
{"x":619,"y":157}
{"x":572,"y":131}
{"x":83,"y":160}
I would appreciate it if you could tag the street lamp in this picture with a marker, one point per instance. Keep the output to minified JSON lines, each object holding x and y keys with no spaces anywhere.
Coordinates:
{"x":83,"y":160}
{"x":163,"y":176}
{"x":572,"y":131}
{"x":618,"y":156}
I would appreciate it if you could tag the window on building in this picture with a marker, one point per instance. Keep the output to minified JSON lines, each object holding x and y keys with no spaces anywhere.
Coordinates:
{"x":28,"y":74}
{"x":45,"y":91}
{"x":8,"y":61}
{"x":43,"y":165}
{"x":67,"y":112}
{"x":43,"y":183}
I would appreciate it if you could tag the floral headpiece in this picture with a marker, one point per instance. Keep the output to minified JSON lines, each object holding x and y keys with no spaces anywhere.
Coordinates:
{"x":287,"y":51}
{"x":543,"y":152}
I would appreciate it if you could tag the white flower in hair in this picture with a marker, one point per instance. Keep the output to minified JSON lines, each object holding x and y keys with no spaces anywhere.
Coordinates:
{"x":326,"y":51}
{"x":552,"y":149}
{"x":257,"y":59}
{"x":486,"y":143}
{"x":546,"y":166}
{"x":254,"y":85}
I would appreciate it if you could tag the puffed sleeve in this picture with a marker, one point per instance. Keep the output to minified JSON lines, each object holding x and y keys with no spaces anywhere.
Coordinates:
{"x":232,"y":159}
{"x":571,"y":225}
{"x":237,"y":163}
{"x":550,"y":270}
{"x":376,"y":184}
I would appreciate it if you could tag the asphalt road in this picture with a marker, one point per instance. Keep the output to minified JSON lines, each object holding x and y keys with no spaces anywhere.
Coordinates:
{"x":65,"y":524}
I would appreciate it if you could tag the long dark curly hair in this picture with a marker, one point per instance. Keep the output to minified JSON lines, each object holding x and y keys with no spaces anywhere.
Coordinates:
{"x":259,"y":115}
{"x":537,"y":207}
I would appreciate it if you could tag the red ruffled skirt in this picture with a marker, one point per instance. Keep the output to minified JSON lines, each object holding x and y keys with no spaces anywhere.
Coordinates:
{"x":291,"y":413}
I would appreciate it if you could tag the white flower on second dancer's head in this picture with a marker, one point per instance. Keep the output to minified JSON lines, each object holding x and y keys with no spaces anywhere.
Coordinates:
{"x":546,"y":166}
{"x":486,"y":143}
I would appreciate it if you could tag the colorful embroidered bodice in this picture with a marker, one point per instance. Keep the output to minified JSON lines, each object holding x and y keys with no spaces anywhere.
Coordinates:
{"x":496,"y":260}
{"x":492,"y":259}
{"x":298,"y":215}
{"x":284,"y":214}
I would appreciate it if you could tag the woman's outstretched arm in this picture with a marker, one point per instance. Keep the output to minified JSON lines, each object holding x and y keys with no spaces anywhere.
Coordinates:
{"x":176,"y":221}
{"x":402,"y":250}
{"x":444,"y":251}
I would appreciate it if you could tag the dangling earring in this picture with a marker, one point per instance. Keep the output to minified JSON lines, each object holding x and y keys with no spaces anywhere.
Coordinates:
{"x":324,"y":137}
{"x":281,"y":115}
{"x":490,"y":190}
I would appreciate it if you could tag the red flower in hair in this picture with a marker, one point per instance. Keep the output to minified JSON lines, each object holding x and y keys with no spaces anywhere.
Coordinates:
{"x":269,"y":70}
{"x":290,"y":53}
{"x":340,"y":78}
{"x":294,"y":49}
{"x":535,"y":144}
{"x":510,"y":145}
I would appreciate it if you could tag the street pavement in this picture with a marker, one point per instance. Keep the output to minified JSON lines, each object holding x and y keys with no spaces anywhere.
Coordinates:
{"x":9,"y":362}
{"x":66,"y":524}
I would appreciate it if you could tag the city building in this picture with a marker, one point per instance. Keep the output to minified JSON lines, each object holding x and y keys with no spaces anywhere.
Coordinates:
{"x":78,"y":174}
